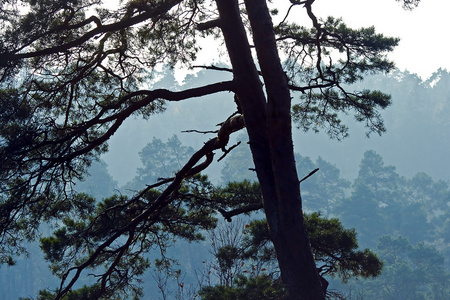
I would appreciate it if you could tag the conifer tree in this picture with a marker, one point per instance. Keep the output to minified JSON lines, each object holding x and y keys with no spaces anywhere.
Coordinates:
{"x":72,"y":71}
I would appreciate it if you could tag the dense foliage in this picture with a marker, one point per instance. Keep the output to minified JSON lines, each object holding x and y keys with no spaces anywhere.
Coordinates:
{"x":414,"y":264}
{"x":72,"y":72}
{"x":334,"y":249}
{"x":403,"y":220}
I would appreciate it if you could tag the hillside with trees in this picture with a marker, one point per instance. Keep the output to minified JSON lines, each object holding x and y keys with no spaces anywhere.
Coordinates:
{"x":72,"y":73}
{"x":404,"y":221}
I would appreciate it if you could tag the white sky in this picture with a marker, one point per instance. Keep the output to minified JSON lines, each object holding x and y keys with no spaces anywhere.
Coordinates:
{"x":424,"y":44}
{"x":423,"y":48}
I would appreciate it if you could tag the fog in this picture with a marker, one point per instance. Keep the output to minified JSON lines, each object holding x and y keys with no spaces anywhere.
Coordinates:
{"x":402,"y":202}
{"x":393,"y":189}
{"x":416,"y":139}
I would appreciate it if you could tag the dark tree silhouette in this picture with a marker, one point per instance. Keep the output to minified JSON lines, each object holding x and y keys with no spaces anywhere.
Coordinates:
{"x":71,"y":72}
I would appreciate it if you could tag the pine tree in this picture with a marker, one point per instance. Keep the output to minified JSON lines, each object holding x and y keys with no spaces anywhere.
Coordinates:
{"x":71,"y":72}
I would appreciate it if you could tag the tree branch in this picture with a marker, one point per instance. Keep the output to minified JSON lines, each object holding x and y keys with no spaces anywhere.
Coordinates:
{"x":309,"y":175}
{"x":209,"y":24}
{"x":229,"y":214}
{"x":126,"y":22}
{"x":191,"y":168}
{"x":119,"y":118}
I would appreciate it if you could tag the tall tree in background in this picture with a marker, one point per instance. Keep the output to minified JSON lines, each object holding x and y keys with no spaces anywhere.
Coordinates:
{"x":71,"y":72}
{"x":159,"y":160}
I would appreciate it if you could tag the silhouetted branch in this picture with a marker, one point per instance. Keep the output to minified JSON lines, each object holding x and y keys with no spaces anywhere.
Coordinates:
{"x":228,"y":214}
{"x":208,"y":25}
{"x":309,"y":175}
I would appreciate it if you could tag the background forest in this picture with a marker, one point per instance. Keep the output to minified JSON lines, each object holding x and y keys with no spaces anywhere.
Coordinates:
{"x":393,"y":190}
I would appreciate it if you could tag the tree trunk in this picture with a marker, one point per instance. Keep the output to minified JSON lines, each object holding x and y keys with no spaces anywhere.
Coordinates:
{"x":270,"y":134}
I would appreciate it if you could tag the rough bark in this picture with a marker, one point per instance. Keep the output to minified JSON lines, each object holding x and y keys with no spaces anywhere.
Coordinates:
{"x":269,"y":127}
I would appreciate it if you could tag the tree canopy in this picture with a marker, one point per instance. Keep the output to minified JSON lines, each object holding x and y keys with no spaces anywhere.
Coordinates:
{"x":71,"y":72}
{"x":246,"y":269}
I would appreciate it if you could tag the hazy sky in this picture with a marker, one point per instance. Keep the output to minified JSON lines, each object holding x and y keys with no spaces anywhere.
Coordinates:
{"x":423,"y":48}
{"x":424,"y":45}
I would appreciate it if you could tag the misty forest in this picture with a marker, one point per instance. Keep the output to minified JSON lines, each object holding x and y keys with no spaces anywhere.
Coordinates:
{"x":302,"y":164}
